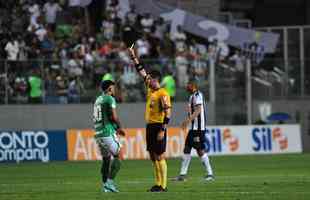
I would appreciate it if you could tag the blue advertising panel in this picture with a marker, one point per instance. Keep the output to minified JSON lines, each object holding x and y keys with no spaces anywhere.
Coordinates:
{"x":40,"y":145}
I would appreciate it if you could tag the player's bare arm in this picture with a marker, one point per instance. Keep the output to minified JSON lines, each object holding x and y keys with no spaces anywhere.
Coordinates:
{"x":140,"y":69}
{"x":115,"y":118}
{"x":197,"y":111}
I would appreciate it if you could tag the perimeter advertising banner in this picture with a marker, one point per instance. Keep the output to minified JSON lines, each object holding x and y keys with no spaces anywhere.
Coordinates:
{"x":220,"y":140}
{"x":82,"y":145}
{"x":74,"y":144}
{"x":45,"y":146}
{"x":267,"y":139}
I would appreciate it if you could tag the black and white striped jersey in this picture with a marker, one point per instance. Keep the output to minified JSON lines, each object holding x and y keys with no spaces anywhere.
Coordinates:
{"x":200,"y":122}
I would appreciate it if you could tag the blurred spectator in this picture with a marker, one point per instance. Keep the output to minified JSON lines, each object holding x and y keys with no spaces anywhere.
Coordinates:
{"x":107,"y":75}
{"x":106,"y":49}
{"x":160,"y":28}
{"x":238,"y":60}
{"x":50,"y":9}
{"x":47,"y":47}
{"x":80,"y":47}
{"x":107,"y":27}
{"x":129,"y":34}
{"x":123,"y":54}
{"x":154,"y":47}
{"x":12,"y":49}
{"x":64,"y":54}
{"x":34,"y":11}
{"x":35,"y":87}
{"x":143,"y":47}
{"x":198,"y":63}
{"x":167,"y":46}
{"x":75,"y":90}
{"x":35,"y":50}
{"x":75,"y":65}
{"x":129,"y":76}
{"x":168,"y":83}
{"x":131,"y":16}
{"x":179,"y":39}
{"x":64,"y":31}
{"x":113,"y":9}
{"x":254,"y":51}
{"x":79,"y":28}
{"x":223,"y":51}
{"x":23,"y":49}
{"x":18,"y":21}
{"x":41,"y":32}
{"x":181,"y":63}
{"x":147,"y":23}
{"x":213,"y":48}
{"x":50,"y":87}
{"x":2,"y":89}
{"x":88,"y":58}
{"x":61,"y":90}
{"x":20,"y":90}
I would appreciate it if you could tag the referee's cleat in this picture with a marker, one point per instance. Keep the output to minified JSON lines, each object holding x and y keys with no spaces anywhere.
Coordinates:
{"x":209,"y":178}
{"x":155,"y":188}
{"x":180,"y":178}
{"x":163,"y":189}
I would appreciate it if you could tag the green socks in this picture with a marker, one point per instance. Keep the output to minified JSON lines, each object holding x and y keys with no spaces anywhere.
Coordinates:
{"x":105,"y":168}
{"x":115,"y":167}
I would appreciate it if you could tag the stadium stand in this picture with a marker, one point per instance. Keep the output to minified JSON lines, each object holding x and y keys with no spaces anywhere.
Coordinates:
{"x":72,"y":57}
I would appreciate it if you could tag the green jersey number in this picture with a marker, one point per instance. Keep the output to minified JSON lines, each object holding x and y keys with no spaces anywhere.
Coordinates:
{"x":97,"y":113}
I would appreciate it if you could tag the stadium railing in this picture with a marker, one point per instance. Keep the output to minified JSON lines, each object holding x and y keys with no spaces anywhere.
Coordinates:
{"x":269,"y":80}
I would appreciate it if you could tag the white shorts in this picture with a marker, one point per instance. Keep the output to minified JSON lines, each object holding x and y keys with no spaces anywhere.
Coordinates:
{"x":109,"y":145}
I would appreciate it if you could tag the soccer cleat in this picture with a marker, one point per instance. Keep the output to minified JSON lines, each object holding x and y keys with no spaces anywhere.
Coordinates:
{"x":110,"y":185}
{"x":155,"y":188}
{"x":209,"y":178}
{"x":180,"y":178}
{"x":105,"y":189}
{"x":163,"y":189}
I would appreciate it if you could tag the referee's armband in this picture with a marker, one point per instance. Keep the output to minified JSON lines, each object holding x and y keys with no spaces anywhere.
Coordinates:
{"x":139,"y":67}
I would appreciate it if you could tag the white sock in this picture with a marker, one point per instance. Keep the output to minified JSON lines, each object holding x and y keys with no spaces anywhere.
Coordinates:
{"x":185,"y":163}
{"x":205,"y":161}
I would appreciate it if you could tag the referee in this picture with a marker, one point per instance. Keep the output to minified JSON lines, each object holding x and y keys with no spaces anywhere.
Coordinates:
{"x":157,"y":117}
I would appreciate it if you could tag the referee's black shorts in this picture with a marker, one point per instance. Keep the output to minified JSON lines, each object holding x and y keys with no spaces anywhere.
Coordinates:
{"x":195,"y":139}
{"x":152,"y":144}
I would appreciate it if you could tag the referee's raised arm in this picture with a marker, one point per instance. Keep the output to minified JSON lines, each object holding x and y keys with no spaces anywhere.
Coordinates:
{"x":139,"y":67}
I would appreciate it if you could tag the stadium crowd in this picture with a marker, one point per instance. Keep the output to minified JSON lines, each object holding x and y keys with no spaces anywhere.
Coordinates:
{"x":42,"y":59}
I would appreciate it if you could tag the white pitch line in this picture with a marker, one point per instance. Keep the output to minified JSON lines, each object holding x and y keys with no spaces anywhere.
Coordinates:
{"x":201,"y":179}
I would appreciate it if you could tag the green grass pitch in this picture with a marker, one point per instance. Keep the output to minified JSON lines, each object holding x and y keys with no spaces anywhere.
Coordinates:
{"x":237,"y":177}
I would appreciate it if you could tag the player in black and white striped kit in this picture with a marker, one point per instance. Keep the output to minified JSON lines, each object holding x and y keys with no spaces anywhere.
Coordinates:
{"x":196,"y":123}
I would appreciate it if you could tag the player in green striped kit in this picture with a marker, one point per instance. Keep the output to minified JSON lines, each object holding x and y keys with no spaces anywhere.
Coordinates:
{"x":107,"y":129}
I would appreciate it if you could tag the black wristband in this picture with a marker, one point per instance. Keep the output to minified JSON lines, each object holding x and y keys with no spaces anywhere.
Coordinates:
{"x":139,"y":67}
{"x":166,"y":120}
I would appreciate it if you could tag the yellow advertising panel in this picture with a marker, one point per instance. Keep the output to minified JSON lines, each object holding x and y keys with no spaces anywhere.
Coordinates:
{"x":82,"y":145}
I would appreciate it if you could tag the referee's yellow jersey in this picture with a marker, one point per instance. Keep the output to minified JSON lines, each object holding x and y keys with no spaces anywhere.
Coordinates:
{"x":156,"y":101}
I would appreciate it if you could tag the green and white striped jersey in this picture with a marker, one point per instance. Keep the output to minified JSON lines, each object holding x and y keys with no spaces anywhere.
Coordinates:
{"x":102,"y":116}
